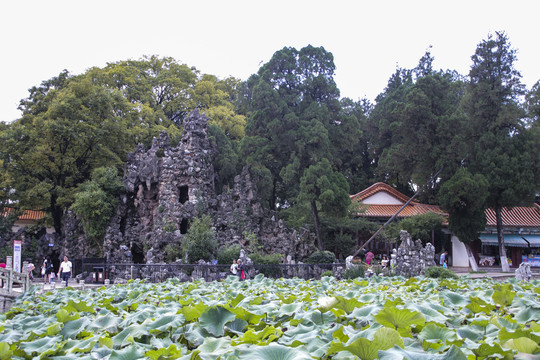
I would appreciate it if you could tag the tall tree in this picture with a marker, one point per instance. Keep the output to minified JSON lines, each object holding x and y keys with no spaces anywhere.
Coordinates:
{"x":294,"y":102}
{"x":417,"y":120}
{"x":50,"y":151}
{"x":496,"y":129}
{"x":325,"y":190}
{"x":464,"y":197}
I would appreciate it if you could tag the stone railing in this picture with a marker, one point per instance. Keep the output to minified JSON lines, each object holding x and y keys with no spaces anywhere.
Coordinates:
{"x":92,"y":273}
{"x":9,"y":277}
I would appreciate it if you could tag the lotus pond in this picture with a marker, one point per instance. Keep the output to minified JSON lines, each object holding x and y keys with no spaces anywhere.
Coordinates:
{"x":288,"y":319}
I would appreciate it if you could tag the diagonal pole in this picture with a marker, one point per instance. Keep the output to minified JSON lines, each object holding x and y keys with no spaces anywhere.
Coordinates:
{"x":396,"y":214}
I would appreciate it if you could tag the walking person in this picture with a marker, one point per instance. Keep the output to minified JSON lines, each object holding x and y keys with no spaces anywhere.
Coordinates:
{"x":65,"y":271}
{"x":234,"y":268}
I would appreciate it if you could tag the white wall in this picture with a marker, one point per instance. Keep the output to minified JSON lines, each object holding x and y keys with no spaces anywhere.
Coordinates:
{"x":459,"y":253}
{"x":382,"y":198}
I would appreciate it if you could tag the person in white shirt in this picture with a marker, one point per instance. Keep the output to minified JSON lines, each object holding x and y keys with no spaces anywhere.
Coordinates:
{"x":234,"y":267}
{"x":65,"y":271}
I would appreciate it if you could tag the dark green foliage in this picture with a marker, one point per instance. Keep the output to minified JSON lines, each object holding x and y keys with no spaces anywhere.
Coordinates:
{"x":353,"y":272}
{"x":172,"y":252}
{"x":227,"y":255}
{"x":225,"y":161}
{"x":464,"y":198}
{"x":326,"y":191}
{"x":200,"y":243}
{"x":321,"y":257}
{"x":95,"y":203}
{"x":438,"y":272}
{"x":268,"y":259}
{"x":418,"y":226}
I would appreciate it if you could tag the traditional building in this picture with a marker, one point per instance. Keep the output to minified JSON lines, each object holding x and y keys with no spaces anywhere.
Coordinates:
{"x":521,"y":228}
{"x":27,"y":218}
{"x":380,"y":202}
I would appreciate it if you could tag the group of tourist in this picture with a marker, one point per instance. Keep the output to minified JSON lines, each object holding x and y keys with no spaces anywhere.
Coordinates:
{"x":237,"y":269}
{"x":65,"y":271}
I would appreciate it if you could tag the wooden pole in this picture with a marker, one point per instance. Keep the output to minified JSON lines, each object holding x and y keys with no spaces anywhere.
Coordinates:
{"x":396,"y":214}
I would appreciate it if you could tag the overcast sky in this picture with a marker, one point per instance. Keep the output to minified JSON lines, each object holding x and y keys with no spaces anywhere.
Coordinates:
{"x":232,"y":38}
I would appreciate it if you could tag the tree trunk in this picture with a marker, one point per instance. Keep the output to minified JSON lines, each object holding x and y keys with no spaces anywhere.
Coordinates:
{"x":500,"y":237}
{"x":472,"y":260}
{"x":317,"y":225}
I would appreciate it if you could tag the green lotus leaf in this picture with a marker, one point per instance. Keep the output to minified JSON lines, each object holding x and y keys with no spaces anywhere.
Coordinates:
{"x":273,"y":352}
{"x":108,"y":323}
{"x":486,"y":350}
{"x":164,"y":323}
{"x":395,"y":318}
{"x":54,"y":329}
{"x":171,"y":352}
{"x":42,"y":346}
{"x":64,"y":316}
{"x":523,"y":345}
{"x":236,"y":326}
{"x":214,"y":348}
{"x":214,"y":319}
{"x":80,"y":346}
{"x":290,"y":309}
{"x":129,"y":353}
{"x":479,"y":305}
{"x":301,"y":334}
{"x":6,"y":351}
{"x":193,"y":312}
{"x":286,"y":299}
{"x":365,"y":349}
{"x":320,"y":318}
{"x":365,"y":312}
{"x":237,"y":300}
{"x":71,"y":329}
{"x":434,"y":334}
{"x":263,"y":337}
{"x":503,"y":294}
{"x":454,"y":300}
{"x":469,"y":333}
{"x":430,"y":314}
{"x":11,"y":336}
{"x":397,"y":353}
{"x":347,"y":305}
{"x":340,"y":335}
{"x":505,"y":334}
{"x":79,"y":306}
{"x":528,"y":314}
{"x":129,"y":335}
{"x":247,"y":316}
{"x":106,"y":341}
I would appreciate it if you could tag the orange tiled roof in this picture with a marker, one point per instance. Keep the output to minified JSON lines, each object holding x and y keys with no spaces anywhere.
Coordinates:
{"x":519,"y":216}
{"x":380,"y":186}
{"x":26,"y":215}
{"x":386,"y":210}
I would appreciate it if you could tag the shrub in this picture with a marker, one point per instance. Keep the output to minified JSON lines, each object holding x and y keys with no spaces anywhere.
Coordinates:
{"x":230,"y":253}
{"x":353,"y":272}
{"x":438,"y":272}
{"x":269,"y":259}
{"x":321,"y":257}
{"x":199,"y":242}
{"x":327,"y":273}
{"x":172,"y":252}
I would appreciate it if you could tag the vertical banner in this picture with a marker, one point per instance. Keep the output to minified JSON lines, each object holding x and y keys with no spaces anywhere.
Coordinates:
{"x":17,"y":246}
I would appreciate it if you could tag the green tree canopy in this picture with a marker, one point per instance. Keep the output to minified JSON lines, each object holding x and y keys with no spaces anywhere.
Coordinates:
{"x":498,"y":149}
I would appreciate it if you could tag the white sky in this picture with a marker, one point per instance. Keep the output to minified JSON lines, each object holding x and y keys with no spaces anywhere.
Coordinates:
{"x":38,"y":39}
